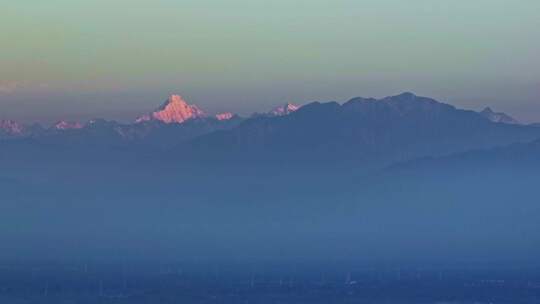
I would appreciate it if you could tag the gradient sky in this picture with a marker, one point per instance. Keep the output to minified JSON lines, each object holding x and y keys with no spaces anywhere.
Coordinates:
{"x":118,"y":58}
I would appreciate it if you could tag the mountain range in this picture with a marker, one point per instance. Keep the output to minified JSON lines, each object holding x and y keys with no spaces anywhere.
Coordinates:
{"x":175,"y":120}
{"x":391,"y":178}
{"x":394,"y":128}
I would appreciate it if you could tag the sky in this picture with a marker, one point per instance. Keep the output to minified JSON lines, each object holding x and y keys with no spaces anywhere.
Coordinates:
{"x":116,"y":59}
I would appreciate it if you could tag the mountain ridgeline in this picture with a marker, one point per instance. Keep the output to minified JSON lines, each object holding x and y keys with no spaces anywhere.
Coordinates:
{"x":395,"y":128}
{"x":402,"y":178}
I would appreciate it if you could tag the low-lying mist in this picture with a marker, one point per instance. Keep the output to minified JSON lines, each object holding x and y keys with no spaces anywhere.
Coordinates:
{"x":448,"y":210}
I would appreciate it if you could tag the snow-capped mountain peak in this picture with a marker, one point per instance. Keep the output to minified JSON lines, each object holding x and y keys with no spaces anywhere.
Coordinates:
{"x":11,"y":127}
{"x":174,"y":110}
{"x":224,"y":116}
{"x":285,"y":109}
{"x":67,"y":125}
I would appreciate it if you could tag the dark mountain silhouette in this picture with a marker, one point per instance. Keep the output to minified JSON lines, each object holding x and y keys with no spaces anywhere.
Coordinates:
{"x":378,"y":131}
{"x":393,"y":128}
{"x":517,"y":157}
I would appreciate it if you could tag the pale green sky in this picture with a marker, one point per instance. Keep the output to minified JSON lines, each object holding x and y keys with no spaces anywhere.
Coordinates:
{"x":116,"y":58}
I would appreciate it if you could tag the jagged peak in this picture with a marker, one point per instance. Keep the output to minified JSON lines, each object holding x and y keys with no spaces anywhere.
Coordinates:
{"x":174,"y":110}
{"x":224,"y":116}
{"x":67,"y":125}
{"x":8,"y":122}
{"x":284,"y":109}
{"x":11,"y":126}
{"x":498,"y":117}
{"x":487,"y":110}
{"x":173,"y":99}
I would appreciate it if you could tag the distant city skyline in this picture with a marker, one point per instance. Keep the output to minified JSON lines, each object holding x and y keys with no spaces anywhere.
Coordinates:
{"x":86,"y":59}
